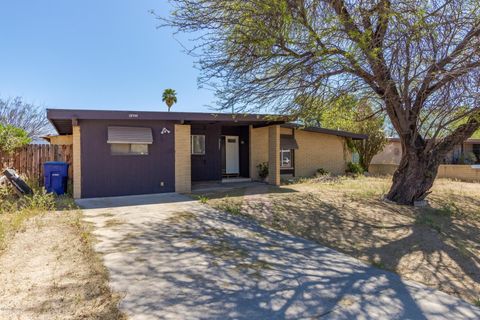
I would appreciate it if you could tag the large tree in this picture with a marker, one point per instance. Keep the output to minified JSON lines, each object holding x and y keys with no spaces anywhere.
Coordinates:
{"x":27,"y":116}
{"x":354,"y":115}
{"x":419,"y":59}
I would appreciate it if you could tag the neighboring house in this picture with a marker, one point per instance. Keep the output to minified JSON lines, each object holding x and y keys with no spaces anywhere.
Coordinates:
{"x":458,"y":164}
{"x":126,"y":152}
{"x":59,"y":140}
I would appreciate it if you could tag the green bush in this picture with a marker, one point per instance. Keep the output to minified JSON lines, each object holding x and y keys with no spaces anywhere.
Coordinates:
{"x":12,"y":138}
{"x":263,"y":170}
{"x":40,"y":200}
{"x":467,"y":158}
{"x":354,"y":168}
{"x":321,"y":172}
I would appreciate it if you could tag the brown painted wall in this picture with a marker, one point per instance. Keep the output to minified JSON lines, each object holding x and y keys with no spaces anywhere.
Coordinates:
{"x":106,"y":175}
{"x":209,"y":166}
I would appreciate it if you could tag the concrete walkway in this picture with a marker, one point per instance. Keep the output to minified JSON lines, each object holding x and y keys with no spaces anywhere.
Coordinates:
{"x":174,"y":258}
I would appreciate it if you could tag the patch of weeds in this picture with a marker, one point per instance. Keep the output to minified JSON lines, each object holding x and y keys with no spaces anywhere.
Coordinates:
{"x":378,"y":264}
{"x":450,"y":208}
{"x":223,"y":249}
{"x":106,"y":214}
{"x":256,"y":266}
{"x":65,"y":202}
{"x":232,"y":206}
{"x":477,"y":302}
{"x":110,"y":223}
{"x":214,"y":232}
{"x":15,"y":210}
{"x":202,"y":199}
{"x":430,"y":219}
{"x":462,"y":247}
{"x":181,"y":217}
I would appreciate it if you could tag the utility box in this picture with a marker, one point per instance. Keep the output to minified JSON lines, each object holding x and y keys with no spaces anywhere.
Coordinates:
{"x":56,"y":177}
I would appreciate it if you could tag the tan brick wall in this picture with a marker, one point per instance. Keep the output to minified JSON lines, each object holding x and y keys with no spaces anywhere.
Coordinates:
{"x":382,"y":169}
{"x":460,"y":172}
{"x":258,"y":149}
{"x":61,"y":140}
{"x":286,"y":131}
{"x":183,"y":173}
{"x":274,"y":155}
{"x":77,"y":163}
{"x":449,"y":171}
{"x":318,"y":150}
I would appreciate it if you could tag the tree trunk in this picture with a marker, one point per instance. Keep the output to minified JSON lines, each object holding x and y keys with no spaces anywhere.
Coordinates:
{"x":414,"y":177}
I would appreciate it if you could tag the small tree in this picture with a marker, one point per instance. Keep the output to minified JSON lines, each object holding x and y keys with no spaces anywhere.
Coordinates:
{"x":12,"y":138}
{"x":27,"y":116}
{"x":169,"y":97}
{"x":350,"y":114}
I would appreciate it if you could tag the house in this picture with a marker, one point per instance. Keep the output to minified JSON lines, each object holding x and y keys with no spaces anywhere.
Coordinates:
{"x":128,"y":152}
{"x":461,"y":163}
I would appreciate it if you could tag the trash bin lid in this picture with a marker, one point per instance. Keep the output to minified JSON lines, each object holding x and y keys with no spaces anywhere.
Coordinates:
{"x":56,"y":163}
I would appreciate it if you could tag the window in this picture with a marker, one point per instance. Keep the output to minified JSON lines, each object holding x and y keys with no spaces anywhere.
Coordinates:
{"x":286,"y":160}
{"x":120,"y":149}
{"x":355,"y":157}
{"x":198,"y":144}
{"x":129,"y":140}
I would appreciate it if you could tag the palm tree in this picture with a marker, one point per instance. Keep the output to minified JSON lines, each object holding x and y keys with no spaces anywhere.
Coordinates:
{"x":169,"y":97}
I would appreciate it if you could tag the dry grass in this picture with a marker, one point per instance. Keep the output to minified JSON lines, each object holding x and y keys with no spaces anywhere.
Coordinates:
{"x":48,"y":268}
{"x":438,"y":246}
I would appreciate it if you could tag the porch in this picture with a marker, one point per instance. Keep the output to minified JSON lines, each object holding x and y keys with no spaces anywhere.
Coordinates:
{"x":212,"y":153}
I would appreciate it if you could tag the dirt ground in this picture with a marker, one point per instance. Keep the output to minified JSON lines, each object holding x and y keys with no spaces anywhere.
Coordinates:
{"x":438,"y":246}
{"x":49,"y":271}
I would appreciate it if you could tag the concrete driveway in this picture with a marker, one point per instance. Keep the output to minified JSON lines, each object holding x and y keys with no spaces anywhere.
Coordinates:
{"x":174,"y":258}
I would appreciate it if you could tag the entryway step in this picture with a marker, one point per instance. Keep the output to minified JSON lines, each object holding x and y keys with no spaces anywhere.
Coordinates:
{"x":237,"y":179}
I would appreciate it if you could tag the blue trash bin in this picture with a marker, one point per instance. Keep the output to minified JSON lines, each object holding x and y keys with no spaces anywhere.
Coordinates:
{"x":56,"y":176}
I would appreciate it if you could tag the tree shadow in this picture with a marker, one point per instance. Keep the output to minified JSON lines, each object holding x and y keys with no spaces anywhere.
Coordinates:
{"x":199,"y":263}
{"x":431,"y":246}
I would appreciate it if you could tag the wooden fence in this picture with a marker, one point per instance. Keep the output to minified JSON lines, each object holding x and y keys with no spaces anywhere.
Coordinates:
{"x":29,"y":160}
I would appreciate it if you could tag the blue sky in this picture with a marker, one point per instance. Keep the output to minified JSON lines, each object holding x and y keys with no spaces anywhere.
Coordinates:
{"x":94,"y":54}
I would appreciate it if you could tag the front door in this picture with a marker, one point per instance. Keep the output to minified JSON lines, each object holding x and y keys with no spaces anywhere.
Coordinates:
{"x":232,"y":155}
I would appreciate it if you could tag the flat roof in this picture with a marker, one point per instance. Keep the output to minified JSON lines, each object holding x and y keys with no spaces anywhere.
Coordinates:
{"x":340,"y":133}
{"x":62,"y":119}
{"x":469,"y":140}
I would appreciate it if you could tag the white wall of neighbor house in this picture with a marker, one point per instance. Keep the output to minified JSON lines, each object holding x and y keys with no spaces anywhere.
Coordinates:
{"x":387,"y":161}
{"x":391,"y":154}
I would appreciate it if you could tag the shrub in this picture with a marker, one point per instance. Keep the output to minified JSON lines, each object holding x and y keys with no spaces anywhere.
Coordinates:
{"x":263,"y":170}
{"x":321,"y":172}
{"x":202,"y":199}
{"x":467,"y":158}
{"x":12,"y":138}
{"x":354,"y":168}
